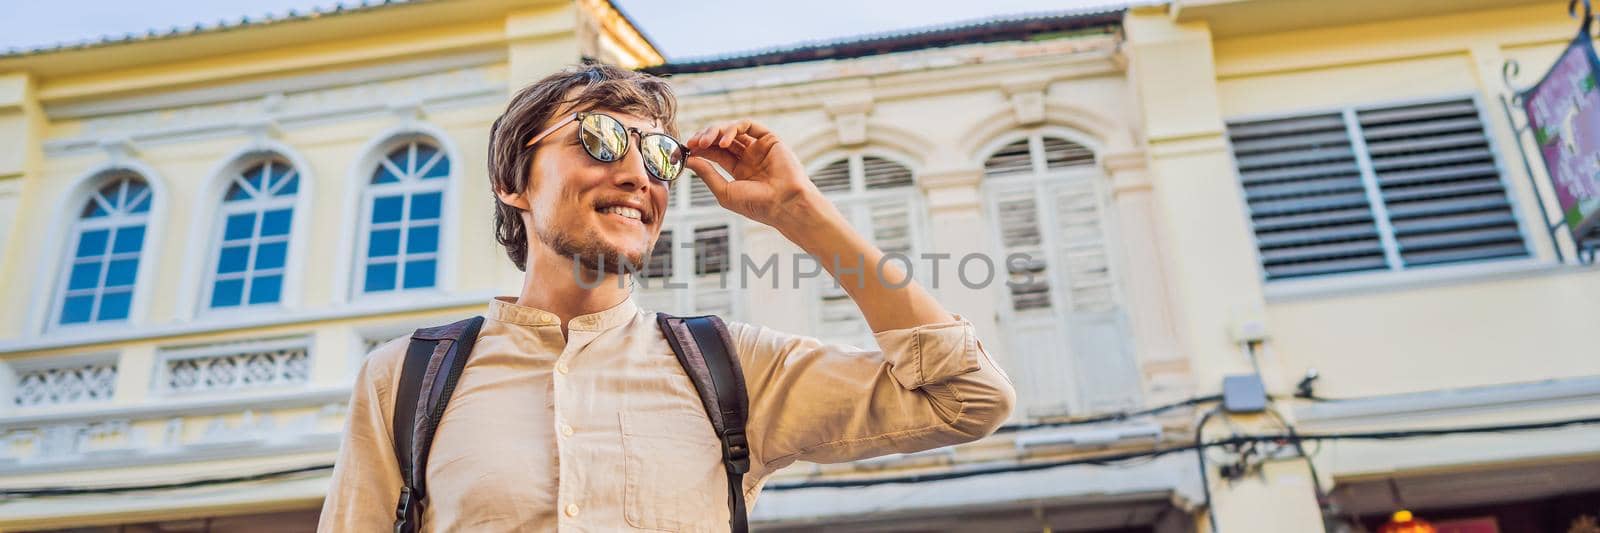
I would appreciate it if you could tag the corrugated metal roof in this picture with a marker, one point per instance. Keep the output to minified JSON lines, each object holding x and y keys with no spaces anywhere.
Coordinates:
{"x":341,"y":8}
{"x":991,"y":29}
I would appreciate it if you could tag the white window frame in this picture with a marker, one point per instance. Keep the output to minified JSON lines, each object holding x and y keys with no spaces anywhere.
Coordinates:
{"x":259,"y":206}
{"x":113,"y":219}
{"x":681,"y":219}
{"x":855,"y":206}
{"x":409,"y":185}
{"x":1060,"y":319}
{"x":1396,"y":276}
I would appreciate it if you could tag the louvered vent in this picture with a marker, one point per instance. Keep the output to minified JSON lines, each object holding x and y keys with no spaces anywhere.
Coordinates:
{"x":1019,"y":234}
{"x":1307,"y":202}
{"x":710,"y":249}
{"x":1440,"y":183}
{"x":882,"y":173}
{"x":1432,"y":164}
{"x":699,"y":194}
{"x":1062,"y":153}
{"x":1014,"y":158}
{"x":660,"y":264}
{"x":833,"y":178}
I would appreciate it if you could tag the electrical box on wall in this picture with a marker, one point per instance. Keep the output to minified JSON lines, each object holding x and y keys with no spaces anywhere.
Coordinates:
{"x":1243,"y":394}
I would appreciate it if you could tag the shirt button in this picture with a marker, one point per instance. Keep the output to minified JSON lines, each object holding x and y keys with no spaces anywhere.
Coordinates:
{"x":561,"y":367}
{"x":566,"y":430}
{"x":572,"y":509}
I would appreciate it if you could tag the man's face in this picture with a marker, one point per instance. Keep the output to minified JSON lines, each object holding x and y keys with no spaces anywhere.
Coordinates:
{"x":600,"y":213}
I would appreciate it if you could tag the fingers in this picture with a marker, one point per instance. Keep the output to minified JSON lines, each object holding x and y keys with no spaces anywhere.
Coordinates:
{"x":708,"y":175}
{"x":728,"y":135}
{"x":728,"y":160}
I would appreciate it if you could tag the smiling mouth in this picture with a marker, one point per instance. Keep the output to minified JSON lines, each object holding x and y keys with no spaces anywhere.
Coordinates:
{"x":624,"y":212}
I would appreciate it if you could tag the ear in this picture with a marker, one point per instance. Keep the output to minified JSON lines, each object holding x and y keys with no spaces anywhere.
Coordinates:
{"x":513,"y":199}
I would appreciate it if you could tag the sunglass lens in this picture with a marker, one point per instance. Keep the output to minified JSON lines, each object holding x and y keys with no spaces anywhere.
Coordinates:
{"x":604,"y":137}
{"x":663,"y":157}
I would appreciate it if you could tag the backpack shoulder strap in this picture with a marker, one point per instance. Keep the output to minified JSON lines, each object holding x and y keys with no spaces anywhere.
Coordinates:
{"x":705,"y":350}
{"x":433,"y":364}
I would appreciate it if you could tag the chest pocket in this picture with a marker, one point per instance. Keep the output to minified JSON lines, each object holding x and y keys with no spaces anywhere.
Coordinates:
{"x":673,"y":469}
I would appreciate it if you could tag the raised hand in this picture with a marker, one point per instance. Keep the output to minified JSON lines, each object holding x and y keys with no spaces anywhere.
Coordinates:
{"x":769,"y":184}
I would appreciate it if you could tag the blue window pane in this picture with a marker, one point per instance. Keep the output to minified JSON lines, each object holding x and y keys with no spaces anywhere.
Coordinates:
{"x":227,"y":292}
{"x":425,"y":206}
{"x":422,"y":240}
{"x":114,"y":305}
{"x":288,"y":189}
{"x":239,"y":226}
{"x":384,"y":243}
{"x":76,"y":309}
{"x":121,"y":272}
{"x":255,"y":176}
{"x":398,"y":157}
{"x":143,"y":205}
{"x":380,"y":277}
{"x":279,"y":170}
{"x":93,"y":210}
{"x":233,"y":259}
{"x":419,"y":273}
{"x":129,"y":239}
{"x":235,"y":192}
{"x":265,"y":289}
{"x":439,"y":170}
{"x":276,"y":222}
{"x":271,"y":255}
{"x":387,"y":208}
{"x":84,"y":276}
{"x":92,"y":243}
{"x":135,"y":189}
{"x":383,"y":175}
{"x":424,"y":153}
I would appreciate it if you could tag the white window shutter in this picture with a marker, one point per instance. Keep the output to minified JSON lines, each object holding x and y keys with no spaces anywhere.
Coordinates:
{"x":712,"y":295}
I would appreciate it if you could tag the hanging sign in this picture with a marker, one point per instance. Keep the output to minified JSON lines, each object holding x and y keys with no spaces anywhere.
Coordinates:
{"x":1564,"y":114}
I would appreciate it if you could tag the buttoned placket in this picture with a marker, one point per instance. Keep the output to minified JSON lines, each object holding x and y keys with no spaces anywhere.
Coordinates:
{"x":580,"y":332}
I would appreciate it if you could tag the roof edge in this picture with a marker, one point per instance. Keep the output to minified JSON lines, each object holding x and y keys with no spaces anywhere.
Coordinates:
{"x":993,"y":29}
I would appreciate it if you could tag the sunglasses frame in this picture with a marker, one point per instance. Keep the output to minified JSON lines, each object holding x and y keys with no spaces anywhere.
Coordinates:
{"x":626,"y":146}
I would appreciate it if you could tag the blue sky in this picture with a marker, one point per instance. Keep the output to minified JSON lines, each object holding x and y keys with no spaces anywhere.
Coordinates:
{"x":682,"y":28}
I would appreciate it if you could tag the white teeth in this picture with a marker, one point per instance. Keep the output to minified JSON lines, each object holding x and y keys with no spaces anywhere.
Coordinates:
{"x":624,"y":211}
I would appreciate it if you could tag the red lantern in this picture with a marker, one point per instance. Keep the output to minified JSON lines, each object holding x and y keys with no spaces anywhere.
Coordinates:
{"x":1404,"y":522}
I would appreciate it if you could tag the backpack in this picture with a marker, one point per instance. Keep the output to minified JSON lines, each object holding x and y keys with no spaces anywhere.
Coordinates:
{"x":436,"y":356}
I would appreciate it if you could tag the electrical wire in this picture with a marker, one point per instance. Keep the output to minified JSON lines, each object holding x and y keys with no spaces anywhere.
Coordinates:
{"x":1205,"y":477}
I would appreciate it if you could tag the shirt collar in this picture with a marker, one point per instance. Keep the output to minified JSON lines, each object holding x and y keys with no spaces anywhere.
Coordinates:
{"x":505,"y":309}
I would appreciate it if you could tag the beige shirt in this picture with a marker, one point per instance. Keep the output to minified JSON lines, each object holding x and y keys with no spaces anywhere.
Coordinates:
{"x":604,"y":431}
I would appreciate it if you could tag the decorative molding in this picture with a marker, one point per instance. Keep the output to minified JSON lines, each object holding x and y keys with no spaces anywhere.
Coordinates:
{"x":1409,"y":406}
{"x":234,"y":366}
{"x":65,"y":384}
{"x":242,"y":426}
{"x":236,"y":322}
{"x":266,"y":115}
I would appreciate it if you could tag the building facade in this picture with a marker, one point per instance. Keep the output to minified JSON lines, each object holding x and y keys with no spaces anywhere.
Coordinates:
{"x":205,"y":231}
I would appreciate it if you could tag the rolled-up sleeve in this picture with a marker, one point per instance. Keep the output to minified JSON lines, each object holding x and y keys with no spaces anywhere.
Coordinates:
{"x":929,"y":386}
{"x":366,"y":479}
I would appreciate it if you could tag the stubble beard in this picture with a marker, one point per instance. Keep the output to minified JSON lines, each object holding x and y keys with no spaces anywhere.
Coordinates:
{"x":590,"y":253}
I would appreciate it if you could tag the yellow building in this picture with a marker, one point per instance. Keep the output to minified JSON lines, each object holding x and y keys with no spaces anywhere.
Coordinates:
{"x":203,"y":231}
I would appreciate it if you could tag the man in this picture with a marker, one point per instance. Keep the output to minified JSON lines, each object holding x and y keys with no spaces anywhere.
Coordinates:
{"x":572,"y":412}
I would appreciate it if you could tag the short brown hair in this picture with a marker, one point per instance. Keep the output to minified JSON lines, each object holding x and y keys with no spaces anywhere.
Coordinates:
{"x":594,"y":86}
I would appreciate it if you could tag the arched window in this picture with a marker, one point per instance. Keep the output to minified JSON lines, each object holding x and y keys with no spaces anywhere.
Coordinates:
{"x":1062,"y":316}
{"x":880,"y":199}
{"x":103,"y":255}
{"x":253,"y":244}
{"x":403,"y":207}
{"x":690,"y":270}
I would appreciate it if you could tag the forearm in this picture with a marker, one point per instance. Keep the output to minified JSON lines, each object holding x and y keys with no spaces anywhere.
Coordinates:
{"x":885,"y":293}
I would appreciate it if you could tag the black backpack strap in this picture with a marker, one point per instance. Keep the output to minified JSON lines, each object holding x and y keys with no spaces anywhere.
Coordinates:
{"x":419,"y":402}
{"x":704,"y":348}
